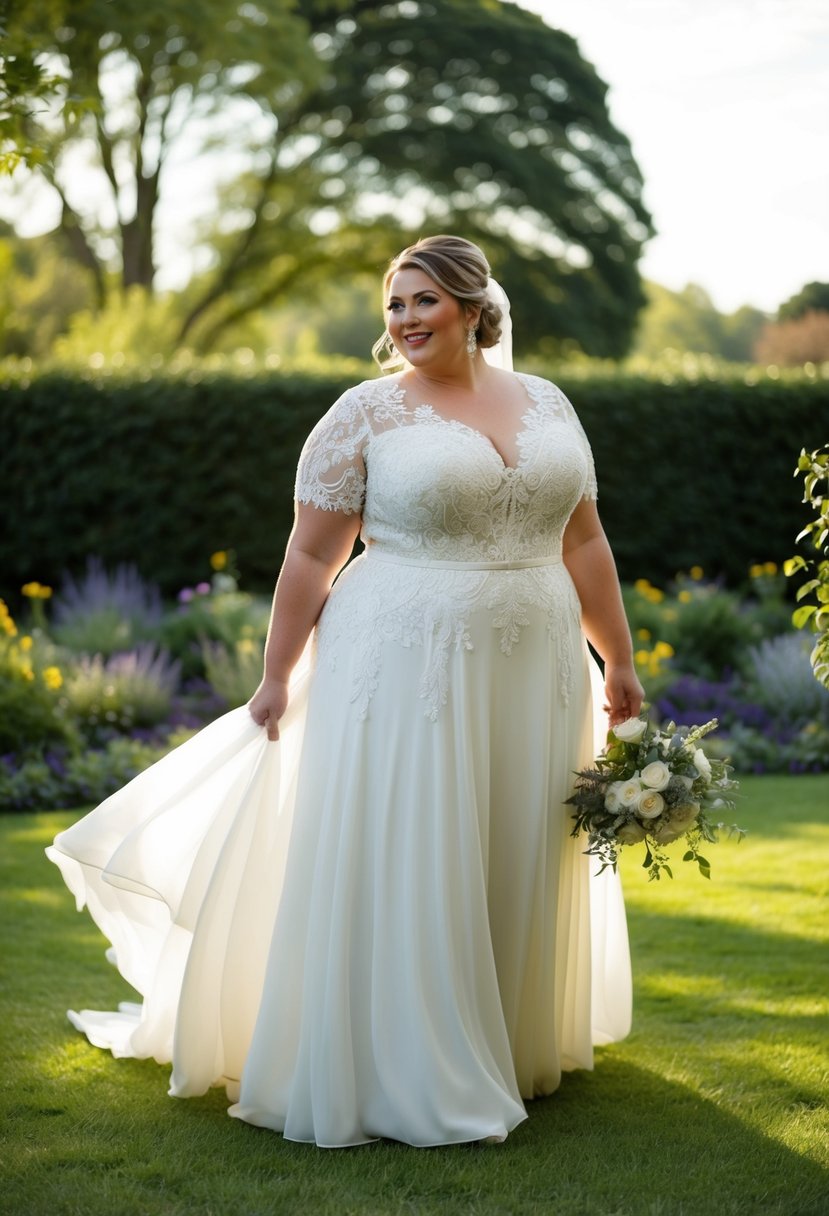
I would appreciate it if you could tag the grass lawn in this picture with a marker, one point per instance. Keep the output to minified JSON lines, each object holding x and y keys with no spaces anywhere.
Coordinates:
{"x":716,"y":1104}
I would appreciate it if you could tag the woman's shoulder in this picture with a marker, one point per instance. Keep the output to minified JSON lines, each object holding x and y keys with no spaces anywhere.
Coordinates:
{"x":538,"y":382}
{"x":542,"y":389}
{"x":359,"y":404}
{"x":367,"y":393}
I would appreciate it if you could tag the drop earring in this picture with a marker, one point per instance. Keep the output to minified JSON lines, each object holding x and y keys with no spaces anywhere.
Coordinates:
{"x":471,"y":341}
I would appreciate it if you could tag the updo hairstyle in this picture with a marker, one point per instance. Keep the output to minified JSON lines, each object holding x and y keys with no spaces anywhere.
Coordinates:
{"x":460,"y":268}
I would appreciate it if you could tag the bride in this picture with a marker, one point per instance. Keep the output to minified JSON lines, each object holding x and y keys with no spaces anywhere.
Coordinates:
{"x":379,"y":926}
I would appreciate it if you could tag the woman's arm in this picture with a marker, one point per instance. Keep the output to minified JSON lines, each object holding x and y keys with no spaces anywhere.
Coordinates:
{"x":318,"y":548}
{"x":589,"y":560}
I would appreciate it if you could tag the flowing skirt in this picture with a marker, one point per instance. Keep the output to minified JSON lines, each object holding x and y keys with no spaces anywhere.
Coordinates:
{"x":379,"y":926}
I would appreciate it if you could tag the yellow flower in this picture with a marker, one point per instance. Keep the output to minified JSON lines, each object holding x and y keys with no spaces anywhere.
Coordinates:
{"x":246,"y":646}
{"x":770,"y":567}
{"x":9,"y":626}
{"x":670,"y":614}
{"x":696,"y":573}
{"x":36,"y":591}
{"x":685,"y":597}
{"x":756,"y":571}
{"x":664,"y":650}
{"x":52,"y":678}
{"x":642,"y":586}
{"x":26,"y":643}
{"x":26,"y":672}
{"x":644,"y":635}
{"x":655,"y":595}
{"x":642,"y":658}
{"x":218,"y":560}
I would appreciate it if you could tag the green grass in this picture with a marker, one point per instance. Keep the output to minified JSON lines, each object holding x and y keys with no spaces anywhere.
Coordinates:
{"x":716,"y":1104}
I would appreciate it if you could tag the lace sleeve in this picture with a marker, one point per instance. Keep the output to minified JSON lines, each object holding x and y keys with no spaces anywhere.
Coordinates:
{"x":331,"y":472}
{"x":591,"y":490}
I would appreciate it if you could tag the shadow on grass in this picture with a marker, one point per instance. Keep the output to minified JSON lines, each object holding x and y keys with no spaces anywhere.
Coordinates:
{"x":621,"y":1140}
{"x":85,"y":1133}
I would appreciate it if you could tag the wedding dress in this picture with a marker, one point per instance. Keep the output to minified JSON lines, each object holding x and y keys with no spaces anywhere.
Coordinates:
{"x":381,"y":926}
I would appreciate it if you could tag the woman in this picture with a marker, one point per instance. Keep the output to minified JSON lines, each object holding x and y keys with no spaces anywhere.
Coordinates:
{"x":382,"y":927}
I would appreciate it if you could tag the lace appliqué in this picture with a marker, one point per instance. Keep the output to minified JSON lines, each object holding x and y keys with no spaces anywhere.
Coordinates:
{"x":331,"y":473}
{"x":432,"y":610}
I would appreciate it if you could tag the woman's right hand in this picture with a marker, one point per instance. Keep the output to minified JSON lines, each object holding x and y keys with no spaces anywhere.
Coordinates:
{"x":268,"y":704}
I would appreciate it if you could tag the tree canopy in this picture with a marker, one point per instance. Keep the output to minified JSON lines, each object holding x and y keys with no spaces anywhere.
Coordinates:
{"x":687,"y":320}
{"x":814,"y":297}
{"x":357,"y":127}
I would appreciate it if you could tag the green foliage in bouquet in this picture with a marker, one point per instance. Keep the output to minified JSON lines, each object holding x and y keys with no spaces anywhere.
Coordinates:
{"x":653,"y":786}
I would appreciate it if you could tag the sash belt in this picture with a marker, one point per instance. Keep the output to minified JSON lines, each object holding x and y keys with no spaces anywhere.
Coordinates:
{"x":521,"y":563}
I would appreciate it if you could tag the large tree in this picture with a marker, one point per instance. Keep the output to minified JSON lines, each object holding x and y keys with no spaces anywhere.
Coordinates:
{"x":130,"y":84}
{"x":366,"y":124}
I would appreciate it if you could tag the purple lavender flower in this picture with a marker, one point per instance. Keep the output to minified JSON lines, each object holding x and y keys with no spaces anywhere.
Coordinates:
{"x":124,"y":590}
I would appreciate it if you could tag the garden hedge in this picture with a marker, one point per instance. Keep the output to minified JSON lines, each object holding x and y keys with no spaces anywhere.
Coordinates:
{"x":162,"y":471}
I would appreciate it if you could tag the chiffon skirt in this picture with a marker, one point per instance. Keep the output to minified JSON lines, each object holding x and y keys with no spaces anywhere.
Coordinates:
{"x":373,"y":928}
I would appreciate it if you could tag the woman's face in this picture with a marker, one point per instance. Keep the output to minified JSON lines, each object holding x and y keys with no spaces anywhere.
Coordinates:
{"x":427,"y":324}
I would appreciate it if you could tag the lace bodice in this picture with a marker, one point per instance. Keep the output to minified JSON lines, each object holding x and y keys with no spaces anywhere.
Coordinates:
{"x":437,"y":489}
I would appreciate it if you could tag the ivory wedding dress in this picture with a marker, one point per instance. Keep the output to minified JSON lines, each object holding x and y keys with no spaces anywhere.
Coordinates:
{"x":380,"y":926}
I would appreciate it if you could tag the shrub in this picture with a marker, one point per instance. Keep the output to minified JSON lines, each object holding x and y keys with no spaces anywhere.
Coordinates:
{"x":233,"y":671}
{"x":206,"y":460}
{"x":102,"y":613}
{"x":93,"y":775}
{"x":690,"y":700}
{"x":224,"y":618}
{"x":815,"y":469}
{"x":31,"y":711}
{"x":60,"y":779}
{"x":780,"y":749}
{"x":32,"y":783}
{"x":708,"y":632}
{"x":127,"y":690}
{"x":782,"y":680}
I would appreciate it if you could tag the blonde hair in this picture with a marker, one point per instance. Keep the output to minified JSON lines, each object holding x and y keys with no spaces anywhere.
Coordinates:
{"x":459,"y":267}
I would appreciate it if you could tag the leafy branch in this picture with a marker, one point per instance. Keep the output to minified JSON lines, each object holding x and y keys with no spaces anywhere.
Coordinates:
{"x":814,"y":615}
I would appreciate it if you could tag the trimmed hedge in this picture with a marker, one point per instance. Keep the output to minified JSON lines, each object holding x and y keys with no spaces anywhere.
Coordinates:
{"x":163,"y":471}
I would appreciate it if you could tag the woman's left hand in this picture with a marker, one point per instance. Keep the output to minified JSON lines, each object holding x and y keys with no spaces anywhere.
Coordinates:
{"x":624,"y":694}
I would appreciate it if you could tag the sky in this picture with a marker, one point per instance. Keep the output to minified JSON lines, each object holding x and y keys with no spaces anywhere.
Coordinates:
{"x":726,"y":104}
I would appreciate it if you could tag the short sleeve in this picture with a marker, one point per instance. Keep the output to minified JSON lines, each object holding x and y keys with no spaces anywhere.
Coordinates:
{"x":331,"y":473}
{"x":591,"y":490}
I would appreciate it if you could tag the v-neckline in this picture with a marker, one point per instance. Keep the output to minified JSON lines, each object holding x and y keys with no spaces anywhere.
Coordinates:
{"x":459,"y":424}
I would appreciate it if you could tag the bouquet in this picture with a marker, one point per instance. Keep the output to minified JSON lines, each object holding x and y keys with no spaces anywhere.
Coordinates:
{"x":652,"y":786}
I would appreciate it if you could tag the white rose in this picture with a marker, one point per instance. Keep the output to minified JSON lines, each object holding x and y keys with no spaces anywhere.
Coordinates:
{"x":629,"y":791}
{"x":656,"y":775}
{"x":649,"y":804}
{"x":702,"y":764}
{"x":630,"y":833}
{"x":612,"y":800}
{"x":630,"y":731}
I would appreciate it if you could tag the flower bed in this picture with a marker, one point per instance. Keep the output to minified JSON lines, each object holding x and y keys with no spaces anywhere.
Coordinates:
{"x":104,"y":678}
{"x":706,"y":652}
{"x":110,"y":679}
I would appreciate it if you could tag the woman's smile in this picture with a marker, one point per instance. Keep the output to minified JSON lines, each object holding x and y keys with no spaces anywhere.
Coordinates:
{"x":417,"y":339}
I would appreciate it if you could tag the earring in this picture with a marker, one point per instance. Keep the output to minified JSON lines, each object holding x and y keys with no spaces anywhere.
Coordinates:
{"x":471,"y":340}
